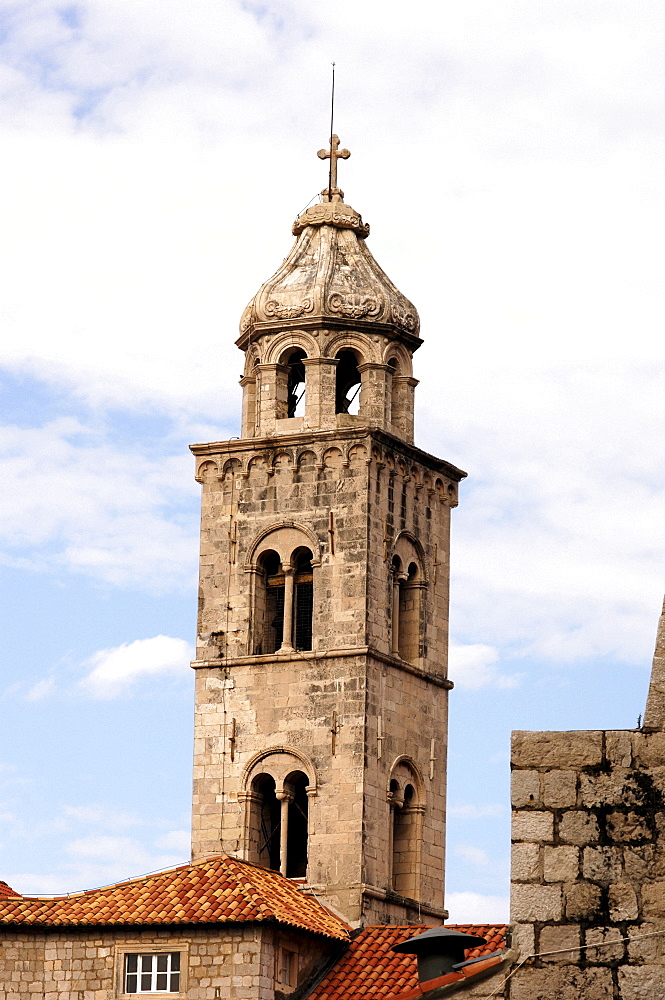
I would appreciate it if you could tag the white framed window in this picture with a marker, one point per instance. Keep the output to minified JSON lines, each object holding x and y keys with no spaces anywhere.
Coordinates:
{"x":157,"y":972}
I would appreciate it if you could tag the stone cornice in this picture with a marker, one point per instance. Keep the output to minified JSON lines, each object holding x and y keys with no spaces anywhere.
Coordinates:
{"x":330,"y":654}
{"x":235,"y":446}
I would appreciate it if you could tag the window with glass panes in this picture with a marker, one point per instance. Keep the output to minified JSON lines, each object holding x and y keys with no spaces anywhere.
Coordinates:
{"x":158,"y":973}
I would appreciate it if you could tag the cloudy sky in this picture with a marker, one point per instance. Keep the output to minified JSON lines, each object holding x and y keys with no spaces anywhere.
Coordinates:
{"x":509,"y":158}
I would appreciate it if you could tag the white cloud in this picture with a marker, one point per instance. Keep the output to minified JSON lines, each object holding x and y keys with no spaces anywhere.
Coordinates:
{"x":101,"y":815}
{"x":475,"y":908}
{"x":110,"y":513}
{"x":560,"y":549}
{"x":473,"y":855}
{"x":176,"y":840}
{"x":114,"y":670}
{"x":473,"y":667}
{"x":469,"y":810}
{"x":42,"y":689}
{"x":96,"y":861}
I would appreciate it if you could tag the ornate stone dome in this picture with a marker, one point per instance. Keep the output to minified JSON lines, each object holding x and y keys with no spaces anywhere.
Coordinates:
{"x":330,"y":277}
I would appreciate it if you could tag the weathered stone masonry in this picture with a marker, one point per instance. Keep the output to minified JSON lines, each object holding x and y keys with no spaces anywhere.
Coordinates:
{"x":588,"y":866}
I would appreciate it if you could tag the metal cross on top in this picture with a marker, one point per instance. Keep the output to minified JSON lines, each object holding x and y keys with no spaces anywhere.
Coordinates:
{"x":333,"y":154}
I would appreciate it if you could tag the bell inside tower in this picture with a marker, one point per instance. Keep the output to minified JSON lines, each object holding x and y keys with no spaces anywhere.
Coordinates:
{"x":296,"y":384}
{"x":347,"y":385}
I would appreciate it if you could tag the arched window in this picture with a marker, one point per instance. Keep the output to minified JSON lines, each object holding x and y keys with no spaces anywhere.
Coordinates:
{"x":303,"y":599}
{"x":264,"y":823}
{"x":296,"y":835}
{"x":409,"y":616}
{"x":277,"y":817}
{"x":405,"y":819}
{"x":407,"y":611}
{"x":282,"y":563}
{"x":296,"y":383}
{"x":269,"y":607}
{"x":394,"y":392}
{"x":347,"y":384}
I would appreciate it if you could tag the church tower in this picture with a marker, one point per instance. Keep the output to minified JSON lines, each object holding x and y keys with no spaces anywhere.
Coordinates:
{"x":321,"y":670}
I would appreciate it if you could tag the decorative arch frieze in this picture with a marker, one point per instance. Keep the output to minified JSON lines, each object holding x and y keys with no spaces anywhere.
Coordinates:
{"x":207,"y":471}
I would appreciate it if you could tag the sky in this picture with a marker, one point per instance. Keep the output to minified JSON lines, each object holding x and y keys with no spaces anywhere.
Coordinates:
{"x":509,"y":159}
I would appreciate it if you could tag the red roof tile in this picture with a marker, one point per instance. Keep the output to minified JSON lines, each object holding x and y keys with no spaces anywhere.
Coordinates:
{"x":374,"y":970}
{"x":218,"y":890}
{"x":6,"y":890}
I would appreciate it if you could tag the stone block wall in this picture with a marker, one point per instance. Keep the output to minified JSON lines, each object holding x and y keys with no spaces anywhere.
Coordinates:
{"x":350,"y":494}
{"x":235,"y":962}
{"x":351,"y":707}
{"x":588,"y":865}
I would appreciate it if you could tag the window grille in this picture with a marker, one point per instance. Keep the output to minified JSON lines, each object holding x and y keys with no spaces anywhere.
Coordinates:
{"x":152,"y":973}
{"x":302,"y":616}
{"x":274,"y":620}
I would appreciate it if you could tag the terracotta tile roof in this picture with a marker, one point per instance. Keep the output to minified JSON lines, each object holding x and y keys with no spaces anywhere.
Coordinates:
{"x":6,"y":890}
{"x":218,"y":890}
{"x":375,"y":972}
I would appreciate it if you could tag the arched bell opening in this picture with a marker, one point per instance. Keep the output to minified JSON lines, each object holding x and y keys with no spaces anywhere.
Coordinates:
{"x":295,"y":786}
{"x":269,"y":604}
{"x":393,"y":389}
{"x":303,"y":598}
{"x":264,"y":823}
{"x":296,"y":382}
{"x":347,"y":382}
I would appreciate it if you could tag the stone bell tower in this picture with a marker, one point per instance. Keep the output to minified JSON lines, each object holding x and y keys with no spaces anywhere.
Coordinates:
{"x":322,"y":690}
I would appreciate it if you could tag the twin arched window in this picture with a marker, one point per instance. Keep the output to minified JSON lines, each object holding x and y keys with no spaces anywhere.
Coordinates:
{"x":277,"y":814}
{"x":406,"y":610}
{"x":283,"y":608}
{"x":406,"y":810}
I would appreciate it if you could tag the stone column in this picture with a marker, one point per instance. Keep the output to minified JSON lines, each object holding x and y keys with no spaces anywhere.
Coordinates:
{"x":320,"y":375}
{"x":248,"y":384}
{"x":403,"y":391}
{"x":272,"y":404}
{"x":287,"y":629}
{"x":374,"y":399}
{"x":284,"y":798}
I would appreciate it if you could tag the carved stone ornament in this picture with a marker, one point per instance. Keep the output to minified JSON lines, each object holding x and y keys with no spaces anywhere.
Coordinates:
{"x":353,"y":305}
{"x":288,"y":310}
{"x":330,"y":273}
{"x":331,"y":213}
